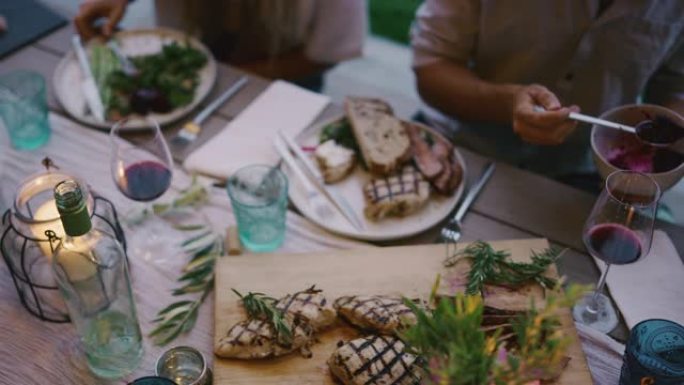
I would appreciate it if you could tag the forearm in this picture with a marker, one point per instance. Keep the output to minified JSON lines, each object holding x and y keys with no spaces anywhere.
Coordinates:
{"x":457,"y":91}
{"x":290,"y":66}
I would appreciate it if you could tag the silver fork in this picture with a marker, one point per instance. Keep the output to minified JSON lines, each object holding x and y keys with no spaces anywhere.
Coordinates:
{"x":452,"y":231}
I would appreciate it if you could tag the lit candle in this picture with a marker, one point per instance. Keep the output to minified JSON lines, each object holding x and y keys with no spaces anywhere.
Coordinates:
{"x":76,"y":264}
{"x":48,"y":214}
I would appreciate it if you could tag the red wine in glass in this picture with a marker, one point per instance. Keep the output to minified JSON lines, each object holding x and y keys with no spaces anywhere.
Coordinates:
{"x":614,"y":243}
{"x":145,"y":181}
{"x":618,"y":231}
{"x":142,"y":171}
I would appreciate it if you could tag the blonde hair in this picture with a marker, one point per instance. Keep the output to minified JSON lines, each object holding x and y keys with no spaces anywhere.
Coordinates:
{"x":268,"y":26}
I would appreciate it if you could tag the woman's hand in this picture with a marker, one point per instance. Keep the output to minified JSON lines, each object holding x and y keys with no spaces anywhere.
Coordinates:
{"x":91,"y":11}
{"x":549,"y":127}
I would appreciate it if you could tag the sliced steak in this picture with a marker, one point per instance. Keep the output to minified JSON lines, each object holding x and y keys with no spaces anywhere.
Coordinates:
{"x":426,"y":160}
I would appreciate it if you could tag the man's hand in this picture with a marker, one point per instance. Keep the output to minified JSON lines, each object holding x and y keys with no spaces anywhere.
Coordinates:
{"x":550,"y":127}
{"x":91,"y":11}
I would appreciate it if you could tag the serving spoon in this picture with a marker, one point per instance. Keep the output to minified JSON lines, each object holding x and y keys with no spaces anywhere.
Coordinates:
{"x":590,"y":119}
{"x":659,"y":132}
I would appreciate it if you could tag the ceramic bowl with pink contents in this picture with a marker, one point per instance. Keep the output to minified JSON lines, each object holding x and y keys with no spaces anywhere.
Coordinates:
{"x":616,"y":150}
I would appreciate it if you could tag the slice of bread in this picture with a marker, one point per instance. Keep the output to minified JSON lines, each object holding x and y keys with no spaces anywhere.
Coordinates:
{"x":334,"y":161}
{"x":382,"y":138}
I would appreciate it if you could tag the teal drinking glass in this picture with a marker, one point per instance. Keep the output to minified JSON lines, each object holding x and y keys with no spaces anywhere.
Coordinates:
{"x":23,"y":108}
{"x":258,"y":195}
{"x":654,"y":354}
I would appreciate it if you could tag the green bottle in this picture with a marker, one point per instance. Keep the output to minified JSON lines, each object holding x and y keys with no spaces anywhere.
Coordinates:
{"x":92,"y":274}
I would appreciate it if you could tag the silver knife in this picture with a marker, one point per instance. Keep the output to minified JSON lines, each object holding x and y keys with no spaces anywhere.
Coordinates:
{"x":191,"y":129}
{"x":88,"y":85}
{"x":339,"y":202}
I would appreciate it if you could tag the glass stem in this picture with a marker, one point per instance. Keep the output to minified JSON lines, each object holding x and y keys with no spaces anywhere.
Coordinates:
{"x":593,"y":305}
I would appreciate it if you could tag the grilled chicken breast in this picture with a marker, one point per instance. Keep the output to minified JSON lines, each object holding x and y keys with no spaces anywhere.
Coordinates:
{"x":374,"y":360}
{"x":396,"y":195}
{"x":256,"y":339}
{"x":380,"y":314}
{"x":309,"y":305}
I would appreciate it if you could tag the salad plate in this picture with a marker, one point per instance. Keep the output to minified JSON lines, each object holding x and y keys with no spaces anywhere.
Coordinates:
{"x":133,"y":43}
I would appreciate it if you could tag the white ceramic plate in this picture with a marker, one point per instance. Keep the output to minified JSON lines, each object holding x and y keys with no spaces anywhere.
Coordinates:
{"x":351,"y":188}
{"x":67,"y":77}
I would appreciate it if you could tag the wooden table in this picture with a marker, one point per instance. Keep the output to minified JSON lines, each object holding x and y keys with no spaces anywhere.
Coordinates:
{"x":515,"y":204}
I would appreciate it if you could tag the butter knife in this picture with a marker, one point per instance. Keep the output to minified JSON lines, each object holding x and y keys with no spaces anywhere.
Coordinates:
{"x":338,"y":201}
{"x":88,"y":85}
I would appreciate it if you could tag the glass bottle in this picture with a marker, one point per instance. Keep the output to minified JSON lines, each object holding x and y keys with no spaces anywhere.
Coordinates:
{"x":92,"y":274}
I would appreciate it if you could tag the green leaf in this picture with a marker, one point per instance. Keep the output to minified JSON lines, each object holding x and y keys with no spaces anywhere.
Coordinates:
{"x":190,"y":227}
{"x":196,"y":238}
{"x":174,"y":306}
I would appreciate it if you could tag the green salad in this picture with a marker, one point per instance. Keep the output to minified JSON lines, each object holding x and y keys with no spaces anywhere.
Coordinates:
{"x":163,"y":81}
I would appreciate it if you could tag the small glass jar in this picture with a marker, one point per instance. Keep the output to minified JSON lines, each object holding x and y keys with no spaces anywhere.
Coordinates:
{"x":185,"y":366}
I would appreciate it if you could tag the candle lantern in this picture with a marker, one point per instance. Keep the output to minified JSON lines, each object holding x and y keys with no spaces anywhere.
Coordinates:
{"x":31,"y":230}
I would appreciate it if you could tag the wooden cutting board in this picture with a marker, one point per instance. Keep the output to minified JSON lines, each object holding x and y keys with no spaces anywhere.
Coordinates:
{"x":408,"y":271}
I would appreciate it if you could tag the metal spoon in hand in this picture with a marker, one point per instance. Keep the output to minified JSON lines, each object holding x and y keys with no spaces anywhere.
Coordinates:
{"x":590,"y":119}
{"x":661,"y":132}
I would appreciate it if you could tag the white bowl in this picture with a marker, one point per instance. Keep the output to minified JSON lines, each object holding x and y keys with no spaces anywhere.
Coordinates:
{"x":603,"y":139}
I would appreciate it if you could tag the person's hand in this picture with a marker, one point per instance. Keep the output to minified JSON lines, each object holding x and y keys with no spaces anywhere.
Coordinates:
{"x":91,"y":11}
{"x":549,"y":127}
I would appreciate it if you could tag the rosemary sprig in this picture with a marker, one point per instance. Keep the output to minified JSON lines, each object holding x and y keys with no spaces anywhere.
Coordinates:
{"x":261,"y":306}
{"x":489,"y":266}
{"x":198,"y":277}
{"x":195,"y":196}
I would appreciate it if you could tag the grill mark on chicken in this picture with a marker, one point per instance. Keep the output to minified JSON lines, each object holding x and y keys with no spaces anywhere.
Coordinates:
{"x":377,"y":313}
{"x":256,"y":339}
{"x":406,"y":186}
{"x":309,"y":304}
{"x":379,"y":358}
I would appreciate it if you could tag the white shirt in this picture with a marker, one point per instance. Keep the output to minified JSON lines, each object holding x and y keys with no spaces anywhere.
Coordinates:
{"x":634,"y":47}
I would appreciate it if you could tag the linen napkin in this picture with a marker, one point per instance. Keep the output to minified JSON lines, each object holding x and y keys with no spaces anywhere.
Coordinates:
{"x":652,"y":287}
{"x":248,"y":139}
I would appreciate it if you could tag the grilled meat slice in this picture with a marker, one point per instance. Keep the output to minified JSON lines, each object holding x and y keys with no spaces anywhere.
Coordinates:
{"x":427,"y":162}
{"x":256,"y":339}
{"x":452,"y":172}
{"x":380,"y":314}
{"x":310,"y":305}
{"x":441,"y":182}
{"x":396,"y":195}
{"x":374,"y":360}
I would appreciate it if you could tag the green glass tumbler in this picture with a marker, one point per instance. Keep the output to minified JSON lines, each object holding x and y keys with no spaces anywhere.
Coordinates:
{"x":258,"y":195}
{"x":23,"y":108}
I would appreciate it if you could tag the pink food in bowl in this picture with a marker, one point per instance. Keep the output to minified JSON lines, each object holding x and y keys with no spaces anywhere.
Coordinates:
{"x":629,"y":153}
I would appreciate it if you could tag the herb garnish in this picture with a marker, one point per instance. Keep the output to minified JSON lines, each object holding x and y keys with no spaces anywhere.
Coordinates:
{"x":198,"y":277}
{"x":203,"y":247}
{"x":261,"y":306}
{"x":489,"y":266}
{"x":456,"y":350}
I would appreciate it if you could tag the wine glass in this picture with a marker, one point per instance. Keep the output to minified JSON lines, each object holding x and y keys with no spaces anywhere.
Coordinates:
{"x":618,"y":231}
{"x":142,"y":172}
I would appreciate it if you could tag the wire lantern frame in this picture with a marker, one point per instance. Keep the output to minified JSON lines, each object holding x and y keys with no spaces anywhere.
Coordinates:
{"x":27,"y":244}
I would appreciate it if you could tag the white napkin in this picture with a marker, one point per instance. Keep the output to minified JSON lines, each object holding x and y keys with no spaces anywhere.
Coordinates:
{"x":248,"y":139}
{"x":652,"y":287}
